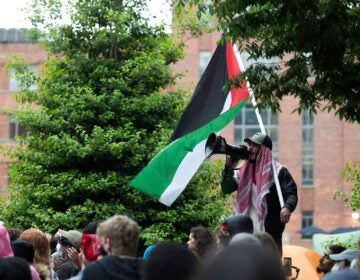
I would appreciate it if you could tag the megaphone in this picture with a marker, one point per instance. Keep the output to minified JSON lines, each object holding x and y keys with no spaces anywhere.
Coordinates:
{"x":217,"y":145}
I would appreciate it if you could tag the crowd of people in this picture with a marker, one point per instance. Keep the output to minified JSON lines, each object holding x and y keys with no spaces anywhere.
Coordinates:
{"x":246,"y":246}
{"x":109,"y":250}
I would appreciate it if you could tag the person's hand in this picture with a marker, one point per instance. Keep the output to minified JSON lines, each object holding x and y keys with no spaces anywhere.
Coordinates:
{"x":285,"y":215}
{"x":229,"y":162}
{"x":74,"y":255}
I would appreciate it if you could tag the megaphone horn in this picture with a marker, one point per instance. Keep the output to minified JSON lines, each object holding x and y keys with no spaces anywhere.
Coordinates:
{"x":217,"y":145}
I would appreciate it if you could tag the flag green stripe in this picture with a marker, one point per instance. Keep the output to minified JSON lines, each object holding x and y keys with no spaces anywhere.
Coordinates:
{"x":158,"y":174}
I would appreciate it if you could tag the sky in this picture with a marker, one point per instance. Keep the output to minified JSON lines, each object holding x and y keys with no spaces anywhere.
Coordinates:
{"x":13,"y":16}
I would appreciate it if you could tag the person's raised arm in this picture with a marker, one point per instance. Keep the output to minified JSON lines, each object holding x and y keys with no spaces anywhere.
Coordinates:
{"x":228,"y":182}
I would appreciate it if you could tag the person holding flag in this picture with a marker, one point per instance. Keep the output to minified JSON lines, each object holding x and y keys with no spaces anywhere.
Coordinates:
{"x":257,"y":195}
{"x":212,"y":107}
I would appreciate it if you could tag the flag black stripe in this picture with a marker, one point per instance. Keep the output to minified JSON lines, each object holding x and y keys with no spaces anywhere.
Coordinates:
{"x":208,"y":98}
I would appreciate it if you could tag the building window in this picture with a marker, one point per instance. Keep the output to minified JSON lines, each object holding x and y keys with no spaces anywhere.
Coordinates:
{"x":204,"y":59}
{"x":307,"y":152}
{"x":15,"y":129}
{"x":14,"y":83}
{"x":306,"y":221}
{"x":246,"y":125}
{"x":268,"y":62}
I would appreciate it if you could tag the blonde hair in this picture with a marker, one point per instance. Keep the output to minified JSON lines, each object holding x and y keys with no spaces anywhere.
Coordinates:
{"x":123,"y":233}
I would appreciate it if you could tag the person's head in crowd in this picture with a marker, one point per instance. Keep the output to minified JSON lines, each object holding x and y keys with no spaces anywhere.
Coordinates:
{"x":243,"y":261}
{"x":119,"y":236}
{"x":232,"y":225}
{"x":89,"y":248}
{"x":5,"y":245}
{"x":14,"y":268}
{"x":170,"y":260}
{"x":244,"y":238}
{"x":23,"y":249}
{"x":325,"y":263}
{"x":68,"y":239}
{"x":237,"y":224}
{"x":91,"y":227}
{"x":268,"y":243}
{"x":40,"y":242}
{"x":90,"y":242}
{"x":343,"y":259}
{"x":14,"y":233}
{"x":201,"y":241}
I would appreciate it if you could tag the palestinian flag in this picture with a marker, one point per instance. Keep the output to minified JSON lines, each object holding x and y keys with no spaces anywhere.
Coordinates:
{"x":210,"y":110}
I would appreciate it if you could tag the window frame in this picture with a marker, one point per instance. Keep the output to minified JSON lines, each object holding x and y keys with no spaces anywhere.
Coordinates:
{"x":204,"y":59}
{"x":271,"y":124}
{"x":307,"y":149}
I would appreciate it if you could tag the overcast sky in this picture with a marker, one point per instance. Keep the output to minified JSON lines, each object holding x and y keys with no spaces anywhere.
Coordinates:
{"x":12,"y":16}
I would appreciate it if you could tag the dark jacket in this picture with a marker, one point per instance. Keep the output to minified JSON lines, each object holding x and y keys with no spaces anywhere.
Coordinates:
{"x":288,"y":186}
{"x":113,"y":267}
{"x":66,"y":269}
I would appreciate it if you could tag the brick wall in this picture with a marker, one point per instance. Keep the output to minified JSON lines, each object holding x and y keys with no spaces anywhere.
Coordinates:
{"x":32,"y":54}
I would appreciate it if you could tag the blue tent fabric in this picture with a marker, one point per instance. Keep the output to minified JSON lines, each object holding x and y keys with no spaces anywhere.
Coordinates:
{"x":343,"y":230}
{"x":347,"y":273}
{"x":310,"y":230}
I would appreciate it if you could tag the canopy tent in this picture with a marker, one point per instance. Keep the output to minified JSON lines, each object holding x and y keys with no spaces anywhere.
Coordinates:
{"x":320,"y":240}
{"x":343,"y":230}
{"x":310,"y":230}
{"x":303,"y":258}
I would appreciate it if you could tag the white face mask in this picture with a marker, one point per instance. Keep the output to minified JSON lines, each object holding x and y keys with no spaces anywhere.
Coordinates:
{"x":335,"y":267}
{"x":58,"y":247}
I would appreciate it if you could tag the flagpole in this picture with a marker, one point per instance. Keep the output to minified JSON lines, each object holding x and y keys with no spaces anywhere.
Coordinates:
{"x":261,"y":124}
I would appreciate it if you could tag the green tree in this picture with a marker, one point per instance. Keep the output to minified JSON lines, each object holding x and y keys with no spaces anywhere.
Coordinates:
{"x":98,"y":116}
{"x":351,"y":174}
{"x":319,"y":42}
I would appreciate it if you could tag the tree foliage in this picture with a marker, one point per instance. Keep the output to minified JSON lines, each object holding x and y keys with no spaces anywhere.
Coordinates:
{"x":317,"y":41}
{"x":98,"y":116}
{"x":351,"y":174}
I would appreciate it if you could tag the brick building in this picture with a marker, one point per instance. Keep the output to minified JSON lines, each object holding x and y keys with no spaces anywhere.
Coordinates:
{"x":314,"y":148}
{"x":13,"y":41}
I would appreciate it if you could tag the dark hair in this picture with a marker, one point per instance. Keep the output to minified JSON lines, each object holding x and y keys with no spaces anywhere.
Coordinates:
{"x":91,"y":227}
{"x":14,"y":233}
{"x":205,"y":241}
{"x":171,"y":260}
{"x":23,"y":249}
{"x":65,"y":241}
{"x":239,"y":223}
{"x":14,"y":268}
{"x":53,"y":242}
{"x":336,"y":249}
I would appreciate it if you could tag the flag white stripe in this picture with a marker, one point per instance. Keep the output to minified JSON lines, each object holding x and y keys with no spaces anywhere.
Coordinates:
{"x":188,"y":166}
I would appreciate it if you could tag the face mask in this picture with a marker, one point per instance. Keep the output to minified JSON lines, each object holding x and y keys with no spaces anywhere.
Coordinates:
{"x":58,"y":247}
{"x":90,"y":246}
{"x":335,"y":267}
{"x":102,"y":251}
